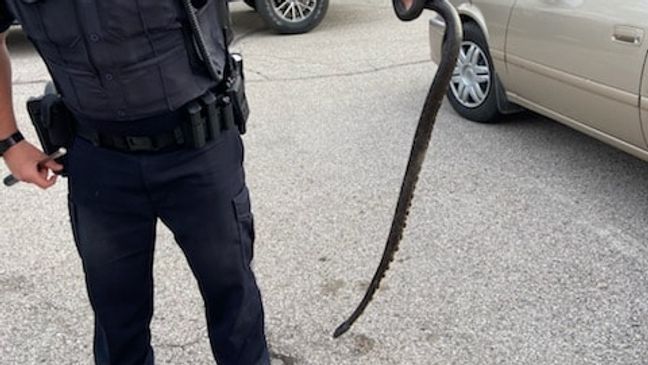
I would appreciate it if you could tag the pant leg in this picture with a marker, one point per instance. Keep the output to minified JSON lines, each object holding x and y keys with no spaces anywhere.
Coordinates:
{"x":203,"y":199}
{"x":114,"y":229}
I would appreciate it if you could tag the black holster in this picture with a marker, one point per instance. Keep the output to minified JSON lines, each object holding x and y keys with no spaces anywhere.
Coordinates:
{"x":53,"y":121}
{"x":236,"y":92}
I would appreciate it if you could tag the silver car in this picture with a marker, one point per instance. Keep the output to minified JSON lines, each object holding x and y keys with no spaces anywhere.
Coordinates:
{"x":580,"y":62}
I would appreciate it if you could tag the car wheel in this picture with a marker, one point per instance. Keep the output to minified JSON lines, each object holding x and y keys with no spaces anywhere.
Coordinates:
{"x":251,"y":3}
{"x":292,"y":16}
{"x":473,"y":89}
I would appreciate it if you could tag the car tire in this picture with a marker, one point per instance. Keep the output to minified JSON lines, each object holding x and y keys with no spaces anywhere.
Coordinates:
{"x":473,"y":89}
{"x":250,"y":3}
{"x":294,"y":23}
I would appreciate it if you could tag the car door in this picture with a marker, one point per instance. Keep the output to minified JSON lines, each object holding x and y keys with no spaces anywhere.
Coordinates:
{"x":644,"y":100}
{"x":581,"y":61}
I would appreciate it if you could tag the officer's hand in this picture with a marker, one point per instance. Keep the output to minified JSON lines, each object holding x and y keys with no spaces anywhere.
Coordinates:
{"x":23,"y":158}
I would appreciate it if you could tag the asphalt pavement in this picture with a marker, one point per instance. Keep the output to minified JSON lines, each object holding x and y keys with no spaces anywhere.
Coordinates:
{"x":526,"y":242}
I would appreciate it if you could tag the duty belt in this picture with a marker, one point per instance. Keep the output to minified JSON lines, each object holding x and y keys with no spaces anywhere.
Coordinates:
{"x":203,"y":121}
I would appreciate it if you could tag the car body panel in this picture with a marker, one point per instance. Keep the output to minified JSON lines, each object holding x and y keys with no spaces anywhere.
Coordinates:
{"x":644,"y":100}
{"x":467,"y":10}
{"x":577,"y":125}
{"x":579,"y":62}
{"x":496,"y":15}
{"x":562,"y":54}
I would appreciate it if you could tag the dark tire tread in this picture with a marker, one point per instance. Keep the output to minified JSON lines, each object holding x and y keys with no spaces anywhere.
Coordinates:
{"x":264,"y":7}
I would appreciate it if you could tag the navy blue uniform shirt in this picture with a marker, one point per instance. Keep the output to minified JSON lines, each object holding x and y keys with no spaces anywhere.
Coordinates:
{"x":6,"y":18}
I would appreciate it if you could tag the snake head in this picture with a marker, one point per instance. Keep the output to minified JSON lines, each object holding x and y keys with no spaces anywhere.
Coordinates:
{"x":407,"y":10}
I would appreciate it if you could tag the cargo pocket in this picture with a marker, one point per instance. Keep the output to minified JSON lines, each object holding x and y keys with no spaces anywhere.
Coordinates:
{"x":245,"y":225}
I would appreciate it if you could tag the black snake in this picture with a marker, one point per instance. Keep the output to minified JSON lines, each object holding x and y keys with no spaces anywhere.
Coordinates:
{"x":451,"y":46}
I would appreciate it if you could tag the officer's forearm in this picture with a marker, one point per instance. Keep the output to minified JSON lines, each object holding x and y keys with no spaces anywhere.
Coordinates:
{"x":7,"y":117}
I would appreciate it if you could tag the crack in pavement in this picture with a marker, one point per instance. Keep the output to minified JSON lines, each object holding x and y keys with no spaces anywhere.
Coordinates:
{"x":242,"y":36}
{"x":334,"y":75}
{"x":267,"y":78}
{"x":31,"y":82}
{"x":182,"y":346}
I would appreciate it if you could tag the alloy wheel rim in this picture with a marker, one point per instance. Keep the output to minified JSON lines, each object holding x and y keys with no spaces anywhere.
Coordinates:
{"x":294,"y":11}
{"x":471,"y":79}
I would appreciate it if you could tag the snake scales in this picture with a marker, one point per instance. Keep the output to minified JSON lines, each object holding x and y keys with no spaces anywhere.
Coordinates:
{"x":451,"y":46}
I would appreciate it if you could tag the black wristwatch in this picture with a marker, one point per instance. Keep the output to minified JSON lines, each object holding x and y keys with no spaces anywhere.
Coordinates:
{"x":13,"y":140}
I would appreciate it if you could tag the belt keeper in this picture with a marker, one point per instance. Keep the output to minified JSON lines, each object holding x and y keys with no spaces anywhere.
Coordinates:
{"x":197,"y":127}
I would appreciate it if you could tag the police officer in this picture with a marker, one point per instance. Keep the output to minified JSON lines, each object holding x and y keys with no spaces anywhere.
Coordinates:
{"x":129,"y":71}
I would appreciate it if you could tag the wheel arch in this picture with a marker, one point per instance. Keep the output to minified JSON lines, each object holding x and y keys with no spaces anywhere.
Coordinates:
{"x":470,"y":13}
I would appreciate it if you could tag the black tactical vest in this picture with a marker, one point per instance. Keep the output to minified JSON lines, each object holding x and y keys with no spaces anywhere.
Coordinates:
{"x":123,"y":59}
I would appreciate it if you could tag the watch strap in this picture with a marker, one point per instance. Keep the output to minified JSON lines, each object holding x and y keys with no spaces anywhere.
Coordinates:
{"x":13,"y":140}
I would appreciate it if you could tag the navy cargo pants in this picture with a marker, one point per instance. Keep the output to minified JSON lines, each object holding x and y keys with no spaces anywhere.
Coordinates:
{"x":115,"y":202}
